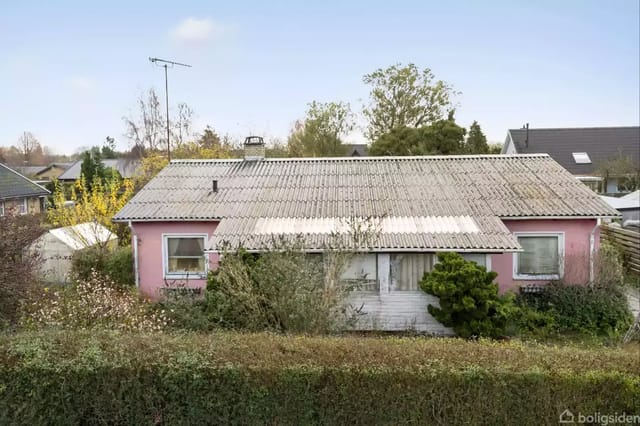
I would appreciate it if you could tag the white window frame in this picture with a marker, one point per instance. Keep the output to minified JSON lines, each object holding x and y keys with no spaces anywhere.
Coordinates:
{"x":581,"y":157}
{"x":2,"y":208}
{"x":165,"y":257}
{"x":24,"y":208}
{"x":560,"y":236}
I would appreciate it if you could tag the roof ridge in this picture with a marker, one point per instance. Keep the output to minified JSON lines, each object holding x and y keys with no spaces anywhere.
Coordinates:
{"x":576,"y":128}
{"x":369,"y":158}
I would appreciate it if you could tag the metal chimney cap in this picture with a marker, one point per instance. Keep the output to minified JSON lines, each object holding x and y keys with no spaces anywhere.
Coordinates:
{"x":254,"y":140}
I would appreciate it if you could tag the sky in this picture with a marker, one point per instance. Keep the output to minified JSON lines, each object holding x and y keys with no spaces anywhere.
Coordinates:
{"x":71,"y":70}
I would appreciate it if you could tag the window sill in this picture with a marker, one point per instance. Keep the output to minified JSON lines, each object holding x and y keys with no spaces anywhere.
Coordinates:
{"x":536,"y":277}
{"x":194,"y":276}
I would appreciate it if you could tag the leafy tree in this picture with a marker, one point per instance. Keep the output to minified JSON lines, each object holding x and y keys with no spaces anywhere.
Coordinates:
{"x":276,"y":149}
{"x":404,"y":96}
{"x":622,"y":167}
{"x":444,"y":137}
{"x":208,"y":145}
{"x":495,"y":148}
{"x":319,"y":135}
{"x":96,"y":203}
{"x":92,"y":167}
{"x":469,"y":299}
{"x":209,"y":138}
{"x":108,"y":150}
{"x":476,"y":140}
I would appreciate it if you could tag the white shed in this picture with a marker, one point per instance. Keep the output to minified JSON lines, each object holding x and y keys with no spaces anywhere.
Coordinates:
{"x":57,"y":246}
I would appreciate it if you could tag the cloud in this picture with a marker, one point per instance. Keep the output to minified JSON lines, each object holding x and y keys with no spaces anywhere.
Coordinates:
{"x":197,"y":31}
{"x":80,"y":83}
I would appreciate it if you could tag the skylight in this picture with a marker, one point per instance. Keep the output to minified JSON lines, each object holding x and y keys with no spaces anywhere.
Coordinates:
{"x":581,"y":158}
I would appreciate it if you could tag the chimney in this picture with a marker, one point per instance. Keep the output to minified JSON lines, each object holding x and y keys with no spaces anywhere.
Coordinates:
{"x":526,"y":139}
{"x":215,"y":186}
{"x":253,"y":148}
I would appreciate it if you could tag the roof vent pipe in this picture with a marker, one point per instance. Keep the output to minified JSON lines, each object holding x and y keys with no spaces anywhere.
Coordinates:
{"x":526,"y":137}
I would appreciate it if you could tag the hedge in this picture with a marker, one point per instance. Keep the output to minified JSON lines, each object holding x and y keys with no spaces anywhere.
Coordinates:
{"x":228,"y":378}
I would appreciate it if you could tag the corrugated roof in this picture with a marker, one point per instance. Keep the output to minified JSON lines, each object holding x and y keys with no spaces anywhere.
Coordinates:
{"x":126,"y":167}
{"x":14,"y":185}
{"x":483,"y":188}
{"x":464,"y":233}
{"x":599,"y":143}
{"x":83,"y":235}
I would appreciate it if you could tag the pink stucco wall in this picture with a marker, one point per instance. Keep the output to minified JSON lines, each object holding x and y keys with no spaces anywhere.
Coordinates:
{"x":150,"y":267}
{"x":576,"y":250}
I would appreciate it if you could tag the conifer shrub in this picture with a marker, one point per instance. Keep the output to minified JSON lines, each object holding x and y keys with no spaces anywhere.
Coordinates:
{"x":469,"y":299}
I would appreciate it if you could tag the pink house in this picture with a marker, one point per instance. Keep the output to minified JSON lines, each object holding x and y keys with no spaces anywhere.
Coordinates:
{"x":523,"y":216}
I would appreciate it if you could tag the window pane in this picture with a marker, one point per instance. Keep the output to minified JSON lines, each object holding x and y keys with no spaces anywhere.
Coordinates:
{"x":361,"y":273}
{"x":186,"y":264}
{"x":540,"y":256}
{"x":408,"y":269}
{"x":193,"y":246}
{"x":479,"y":258}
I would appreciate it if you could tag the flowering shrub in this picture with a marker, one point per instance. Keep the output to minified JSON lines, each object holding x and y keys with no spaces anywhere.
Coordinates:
{"x":93,"y":303}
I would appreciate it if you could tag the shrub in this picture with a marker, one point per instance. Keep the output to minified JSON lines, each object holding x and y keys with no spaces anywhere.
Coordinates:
{"x":186,"y":312}
{"x":582,"y":309}
{"x":223,"y":378}
{"x":282,"y":290}
{"x":94,"y":303}
{"x":18,"y":273}
{"x":469,"y":300}
{"x":115,"y":265}
{"x":609,"y":269}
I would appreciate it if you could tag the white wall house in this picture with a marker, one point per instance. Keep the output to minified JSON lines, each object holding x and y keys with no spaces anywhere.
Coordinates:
{"x":56,"y":248}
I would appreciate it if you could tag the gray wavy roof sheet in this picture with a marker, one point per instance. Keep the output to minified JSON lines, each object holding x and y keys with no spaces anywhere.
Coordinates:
{"x":600,"y":143}
{"x":14,"y":185}
{"x":482,"y":187}
{"x":126,"y":167}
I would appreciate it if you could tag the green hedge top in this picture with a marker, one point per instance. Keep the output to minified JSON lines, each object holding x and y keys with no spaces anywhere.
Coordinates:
{"x":82,"y":349}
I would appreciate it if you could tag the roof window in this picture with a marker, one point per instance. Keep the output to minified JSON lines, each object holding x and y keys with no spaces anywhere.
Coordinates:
{"x":581,"y":158}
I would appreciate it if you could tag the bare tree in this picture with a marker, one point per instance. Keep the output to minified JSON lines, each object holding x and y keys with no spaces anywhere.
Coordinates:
{"x":146,"y":131}
{"x":27,"y":144}
{"x":183,"y":124}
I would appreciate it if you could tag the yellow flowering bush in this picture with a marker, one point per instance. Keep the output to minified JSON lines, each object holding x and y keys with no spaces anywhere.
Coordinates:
{"x":93,"y":303}
{"x":97,"y":202}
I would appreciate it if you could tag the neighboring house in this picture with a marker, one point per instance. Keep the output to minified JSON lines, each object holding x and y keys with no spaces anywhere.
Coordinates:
{"x":19,"y":195}
{"x":126,"y":167}
{"x":357,"y":150}
{"x":579,"y":150}
{"x":44,"y":173}
{"x":52,"y":171}
{"x":57,"y":246}
{"x":522,"y":216}
{"x":628,"y":206}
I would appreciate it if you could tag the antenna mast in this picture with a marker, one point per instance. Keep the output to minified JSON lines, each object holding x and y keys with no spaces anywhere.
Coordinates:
{"x":166,"y":65}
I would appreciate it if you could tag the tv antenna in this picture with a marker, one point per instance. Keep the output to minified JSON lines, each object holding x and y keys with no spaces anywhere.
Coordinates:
{"x":166,"y":65}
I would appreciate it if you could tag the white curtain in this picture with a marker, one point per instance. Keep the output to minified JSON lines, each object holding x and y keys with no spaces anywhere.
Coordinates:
{"x":407,"y":269}
{"x":540,"y":256}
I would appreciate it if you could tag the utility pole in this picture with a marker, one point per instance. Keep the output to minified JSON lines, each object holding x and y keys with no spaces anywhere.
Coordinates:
{"x":166,"y":65}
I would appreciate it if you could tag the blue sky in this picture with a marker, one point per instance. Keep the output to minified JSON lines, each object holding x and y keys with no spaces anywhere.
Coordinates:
{"x":71,"y":70}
